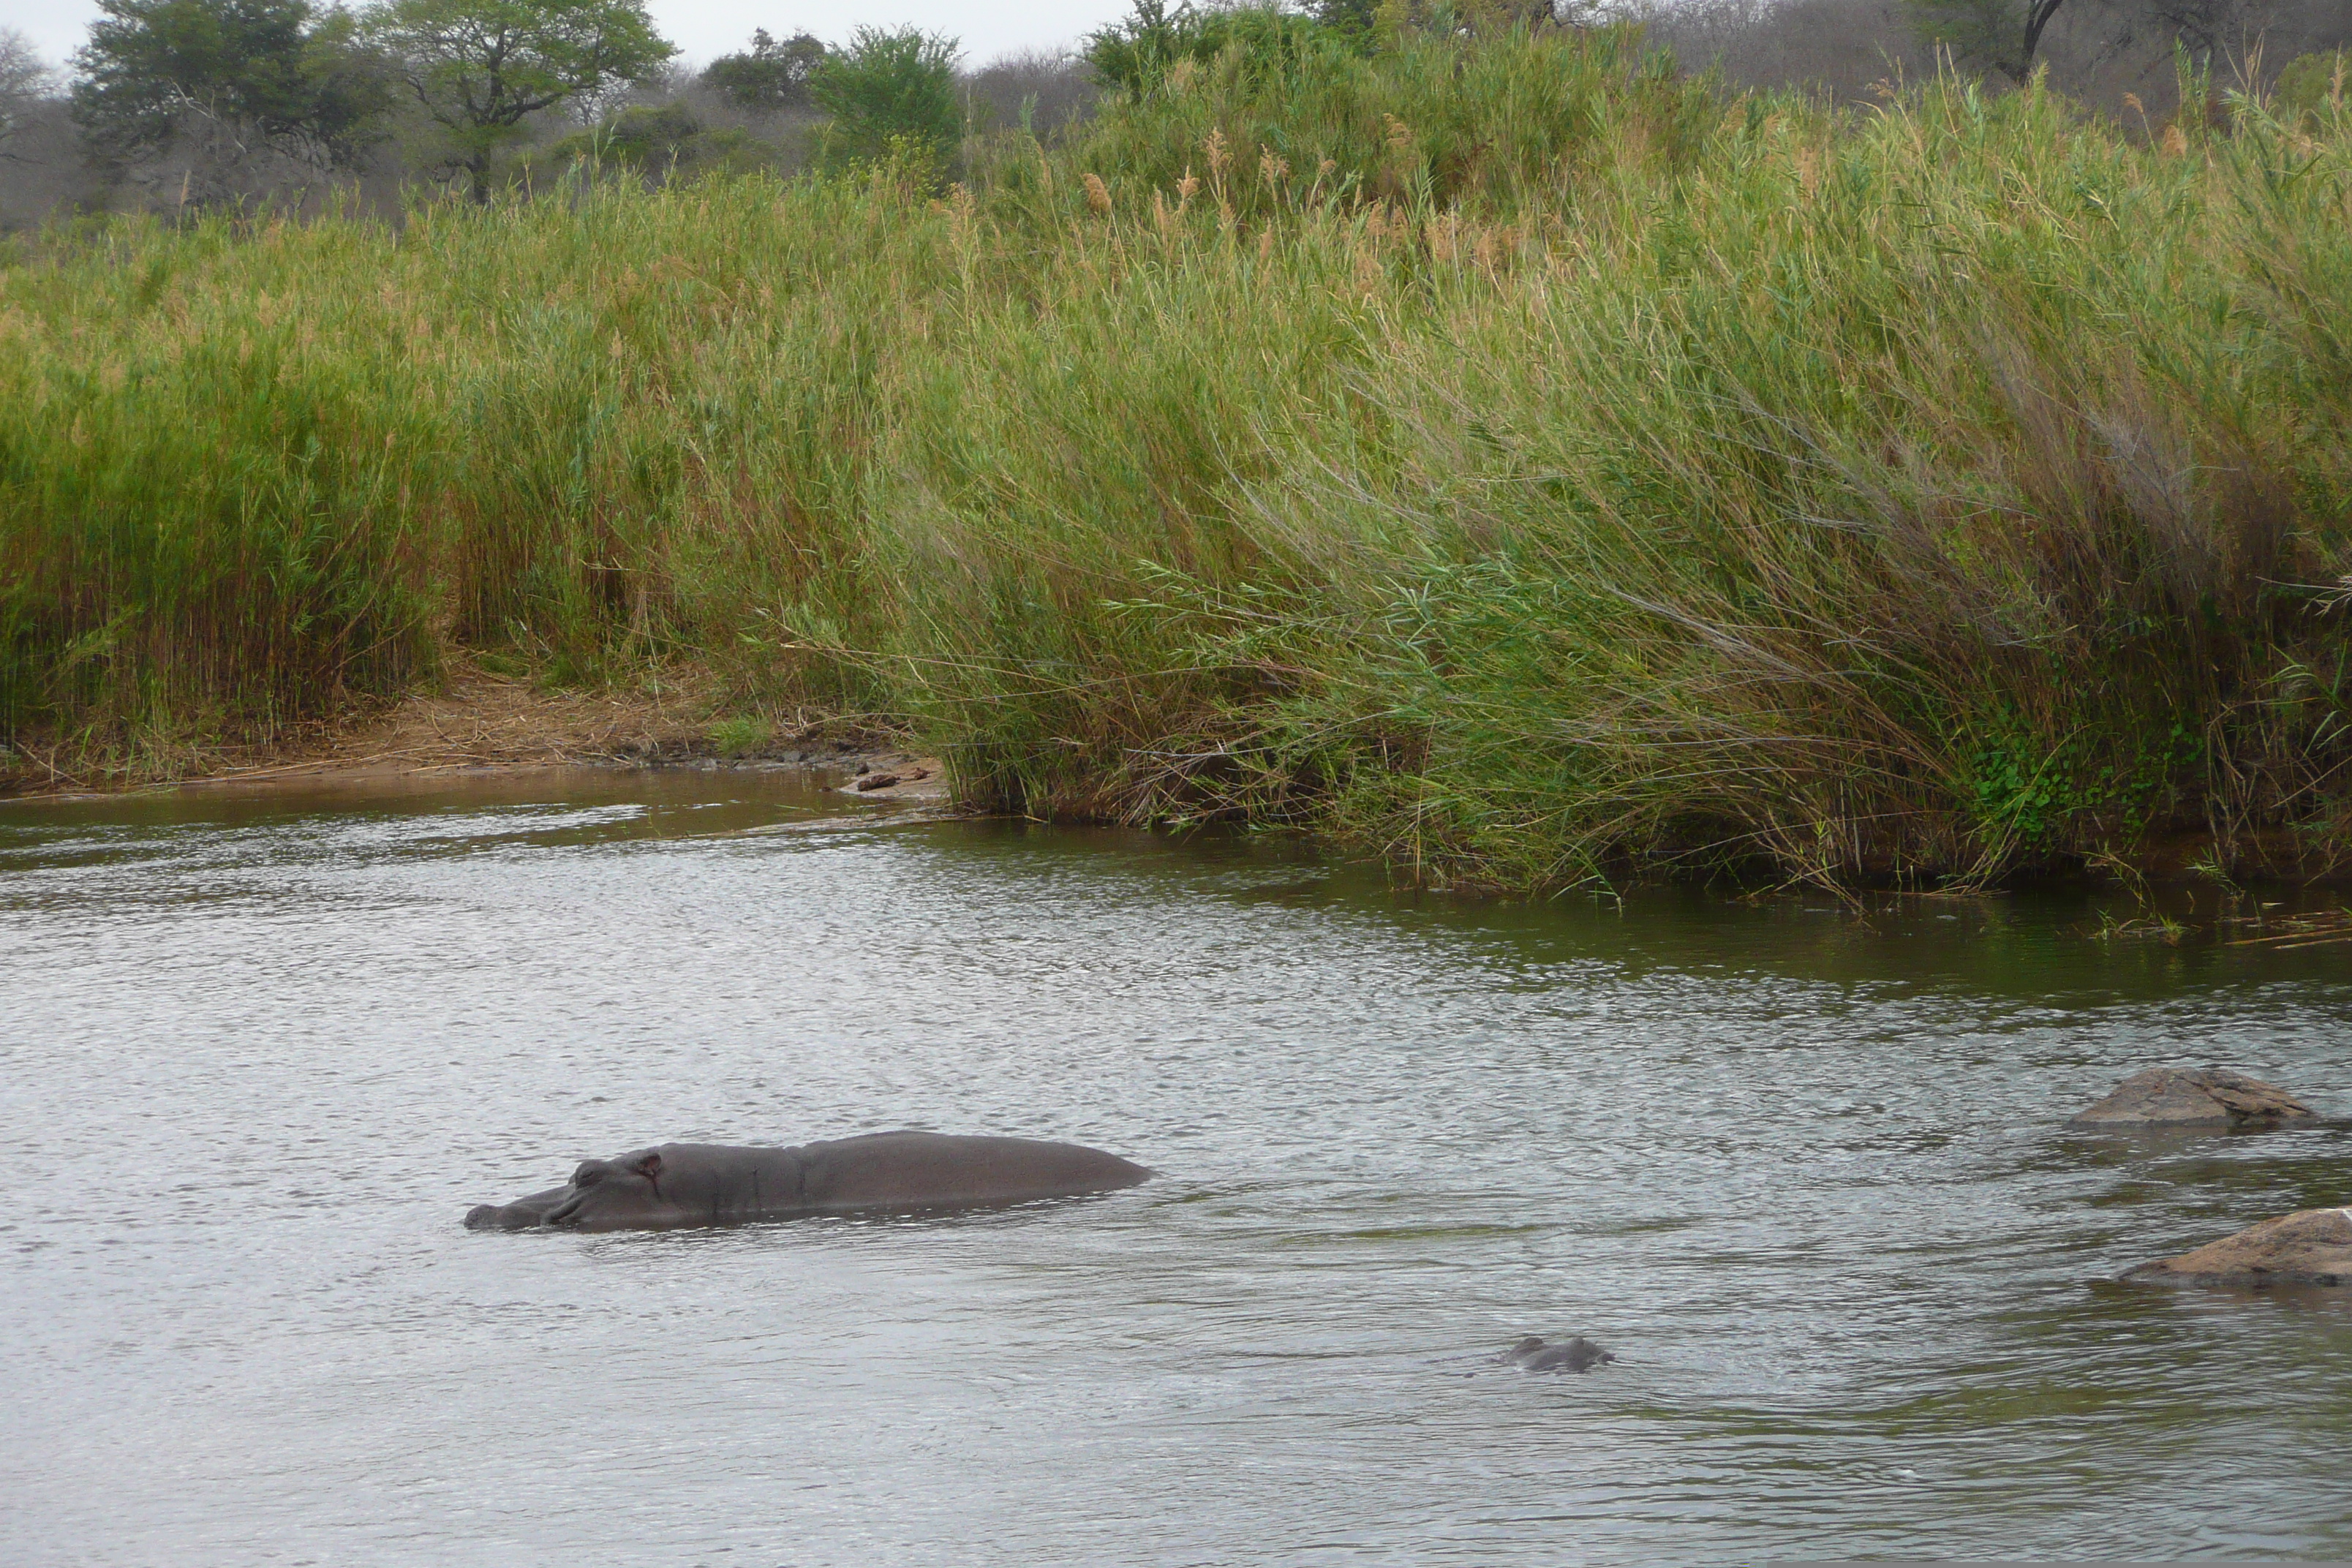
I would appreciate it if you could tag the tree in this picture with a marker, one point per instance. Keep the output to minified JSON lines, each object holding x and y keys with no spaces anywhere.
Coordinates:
{"x":480,"y":68}
{"x":2207,"y":27}
{"x":770,"y":75}
{"x":241,"y":77}
{"x":24,"y":81}
{"x":2003,"y":35}
{"x":886,"y":89}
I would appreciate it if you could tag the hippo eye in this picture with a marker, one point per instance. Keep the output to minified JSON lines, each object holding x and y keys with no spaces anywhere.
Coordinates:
{"x":589,"y":1175}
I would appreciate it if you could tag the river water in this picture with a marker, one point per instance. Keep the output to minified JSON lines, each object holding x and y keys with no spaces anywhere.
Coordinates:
{"x":1802,"y":1172}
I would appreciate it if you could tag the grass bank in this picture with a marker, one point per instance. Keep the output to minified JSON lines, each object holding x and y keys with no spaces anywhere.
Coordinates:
{"x":1506,"y":454}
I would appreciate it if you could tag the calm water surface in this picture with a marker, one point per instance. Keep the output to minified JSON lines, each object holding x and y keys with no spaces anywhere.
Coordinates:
{"x":1803,"y":1173}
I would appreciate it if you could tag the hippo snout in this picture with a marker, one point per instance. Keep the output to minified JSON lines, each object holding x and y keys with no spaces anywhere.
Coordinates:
{"x":523,"y":1214}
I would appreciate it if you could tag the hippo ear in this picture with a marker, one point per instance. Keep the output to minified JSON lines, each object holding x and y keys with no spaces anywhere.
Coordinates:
{"x":649,"y":1167}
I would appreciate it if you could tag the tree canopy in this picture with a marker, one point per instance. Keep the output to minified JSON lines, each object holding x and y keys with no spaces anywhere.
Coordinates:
{"x":281,"y":70}
{"x":480,"y":68}
{"x":769,"y":75}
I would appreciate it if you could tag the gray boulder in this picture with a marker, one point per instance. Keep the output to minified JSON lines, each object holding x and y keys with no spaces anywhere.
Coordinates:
{"x":2171,"y":1097}
{"x":2310,"y":1246}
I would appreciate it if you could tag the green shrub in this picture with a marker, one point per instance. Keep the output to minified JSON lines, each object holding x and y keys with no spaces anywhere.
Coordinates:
{"x":1264,"y":43}
{"x":741,"y":736}
{"x":890,"y":88}
{"x":2310,"y":90}
{"x":1496,"y":126}
{"x":665,"y":141}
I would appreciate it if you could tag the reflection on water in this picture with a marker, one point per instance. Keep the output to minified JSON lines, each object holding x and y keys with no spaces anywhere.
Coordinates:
{"x":1803,"y":1173}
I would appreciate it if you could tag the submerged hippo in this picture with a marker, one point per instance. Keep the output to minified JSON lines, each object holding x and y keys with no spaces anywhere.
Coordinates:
{"x":683,"y":1185}
{"x":2310,"y":1246}
{"x":1580,"y":1354}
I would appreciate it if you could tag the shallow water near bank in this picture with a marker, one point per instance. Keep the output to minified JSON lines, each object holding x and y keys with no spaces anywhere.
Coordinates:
{"x":1802,"y":1172}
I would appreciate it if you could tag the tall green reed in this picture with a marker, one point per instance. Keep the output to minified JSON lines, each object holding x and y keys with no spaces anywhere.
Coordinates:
{"x":1581,"y":472}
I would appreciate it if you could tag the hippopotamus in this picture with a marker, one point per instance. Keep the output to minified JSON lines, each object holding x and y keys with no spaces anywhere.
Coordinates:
{"x":1580,"y":1354}
{"x":679,"y":1185}
{"x":2309,"y":1246}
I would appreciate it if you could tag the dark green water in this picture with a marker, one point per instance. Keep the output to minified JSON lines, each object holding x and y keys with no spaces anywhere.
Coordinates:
{"x":1802,"y":1172}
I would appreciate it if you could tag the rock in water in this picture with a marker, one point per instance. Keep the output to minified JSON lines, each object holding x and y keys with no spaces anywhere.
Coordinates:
{"x":2170,"y":1096}
{"x":2310,"y":1246}
{"x":1580,"y":1354}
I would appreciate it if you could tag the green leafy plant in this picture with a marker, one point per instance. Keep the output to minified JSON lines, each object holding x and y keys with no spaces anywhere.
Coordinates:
{"x":1265,"y":41}
{"x":665,"y":141}
{"x":887,"y":89}
{"x":2310,"y":90}
{"x":740,"y":735}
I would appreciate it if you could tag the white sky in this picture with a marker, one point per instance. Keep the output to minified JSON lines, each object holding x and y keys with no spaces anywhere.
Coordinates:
{"x":705,"y":28}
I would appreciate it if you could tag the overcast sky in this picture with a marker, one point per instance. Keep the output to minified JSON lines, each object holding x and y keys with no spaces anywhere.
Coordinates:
{"x":705,"y":28}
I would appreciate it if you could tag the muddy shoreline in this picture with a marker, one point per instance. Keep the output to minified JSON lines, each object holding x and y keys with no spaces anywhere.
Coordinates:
{"x":482,"y":723}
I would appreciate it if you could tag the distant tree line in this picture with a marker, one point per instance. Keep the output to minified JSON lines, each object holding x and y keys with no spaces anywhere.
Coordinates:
{"x":182,"y":103}
{"x":2097,"y":50}
{"x":2113,"y":55}
{"x":194,"y":102}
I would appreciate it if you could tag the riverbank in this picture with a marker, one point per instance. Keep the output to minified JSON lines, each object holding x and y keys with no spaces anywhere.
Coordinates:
{"x":478,"y":720}
{"x":1503,"y":456}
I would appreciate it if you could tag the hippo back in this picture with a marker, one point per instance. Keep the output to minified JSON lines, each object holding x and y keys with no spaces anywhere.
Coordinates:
{"x":925,"y":1170}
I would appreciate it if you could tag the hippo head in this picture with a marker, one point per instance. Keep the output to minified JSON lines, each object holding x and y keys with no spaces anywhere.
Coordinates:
{"x":638,"y":1191}
{"x":624,"y":1192}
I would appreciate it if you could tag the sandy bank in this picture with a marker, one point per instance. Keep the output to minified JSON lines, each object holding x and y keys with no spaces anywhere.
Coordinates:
{"x":481,"y":721}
